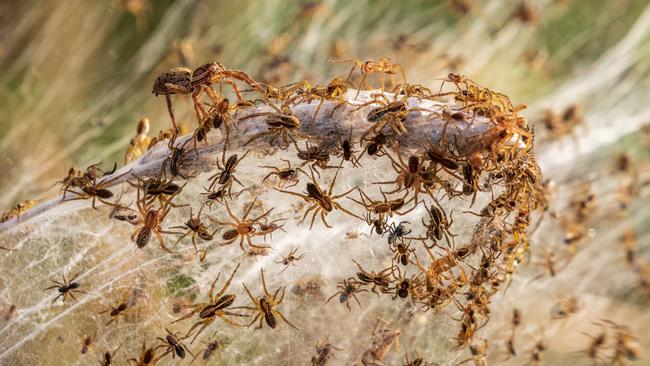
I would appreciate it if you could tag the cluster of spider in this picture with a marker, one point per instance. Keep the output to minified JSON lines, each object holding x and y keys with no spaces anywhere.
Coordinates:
{"x":448,"y":274}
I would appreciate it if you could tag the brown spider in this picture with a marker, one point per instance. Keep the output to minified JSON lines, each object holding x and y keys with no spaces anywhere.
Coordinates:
{"x":321,"y":201}
{"x":334,"y":91}
{"x":66,"y":288}
{"x":376,"y":224}
{"x":147,"y":356}
{"x":150,"y":221}
{"x":402,"y":253}
{"x":347,"y":153}
{"x":412,"y":175}
{"x":413,"y":90}
{"x":394,"y":112}
{"x":438,"y":225}
{"x":183,"y":81}
{"x":174,"y":346}
{"x":385,"y":207}
{"x":196,"y":227}
{"x":215,"y":307}
{"x":212,"y":346}
{"x":264,"y":308}
{"x":380,"y":279}
{"x":348,"y":289}
{"x":218,"y":195}
{"x":89,"y":187}
{"x":214,"y":72}
{"x":115,"y":311}
{"x":267,"y":228}
{"x":155,"y":188}
{"x":175,"y":160}
{"x":318,"y":155}
{"x":242,"y":229}
{"x":287,"y":174}
{"x":404,"y":285}
{"x":227,"y":174}
{"x":290,"y":259}
{"x":281,"y":123}
{"x":219,"y":115}
{"x":383,"y":66}
{"x":175,"y":81}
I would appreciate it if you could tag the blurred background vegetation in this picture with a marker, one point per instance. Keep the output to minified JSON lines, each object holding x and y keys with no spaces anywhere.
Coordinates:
{"x":75,"y":76}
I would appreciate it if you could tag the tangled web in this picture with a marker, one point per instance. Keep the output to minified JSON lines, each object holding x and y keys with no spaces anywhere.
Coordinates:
{"x":383,"y":224}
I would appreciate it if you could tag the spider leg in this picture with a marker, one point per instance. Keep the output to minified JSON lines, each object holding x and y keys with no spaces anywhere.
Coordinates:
{"x":170,"y":109}
{"x":348,"y":212}
{"x":227,"y":282}
{"x":251,"y":297}
{"x":285,"y":320}
{"x":307,"y":212}
{"x":322,"y":216}
{"x":162,"y":243}
{"x":313,"y":217}
{"x":266,"y":291}
{"x":190,"y":314}
{"x":248,"y":210}
{"x":256,"y":136}
{"x":204,"y":325}
{"x":313,"y":118}
{"x":56,"y":298}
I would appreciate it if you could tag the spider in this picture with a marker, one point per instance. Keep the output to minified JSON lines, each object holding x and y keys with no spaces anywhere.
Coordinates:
{"x":227,"y":174}
{"x":334,"y":91}
{"x":281,"y":123}
{"x":348,"y":289}
{"x":219,"y":115}
{"x":175,"y":160}
{"x":150,"y":222}
{"x":90,"y":189}
{"x":380,"y":279}
{"x":155,"y":188}
{"x":438,"y":225}
{"x":196,"y":228}
{"x":175,"y":81}
{"x":402,"y":252}
{"x":76,"y":178}
{"x":347,"y":153}
{"x":147,"y":356}
{"x":264,"y":307}
{"x":212,"y":346}
{"x":321,"y":201}
{"x":244,"y":228}
{"x":174,"y":346}
{"x":287,"y":174}
{"x":318,"y":155}
{"x":214,"y":72}
{"x":382,"y":208}
{"x":107,"y":357}
{"x":214,"y":196}
{"x":394,"y":112}
{"x":115,"y":312}
{"x":66,"y":288}
{"x":397,"y":232}
{"x":267,"y":228}
{"x":384,"y":66}
{"x":215,"y":307}
{"x":405,"y":286}
{"x":412,"y":175}
{"x":290,"y":259}
{"x":376,"y":224}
